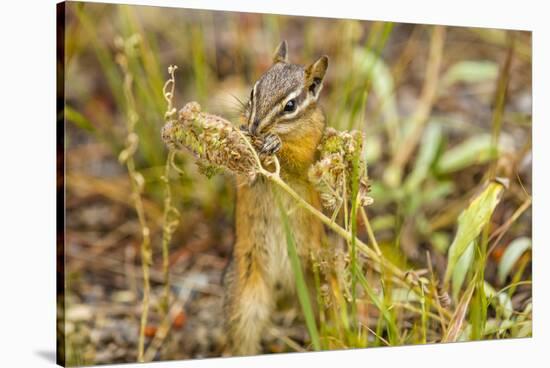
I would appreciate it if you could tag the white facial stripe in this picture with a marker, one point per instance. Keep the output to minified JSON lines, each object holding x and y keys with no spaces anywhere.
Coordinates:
{"x":267,"y":118}
{"x":253,"y":112}
{"x":309,"y":99}
{"x":293,"y":94}
{"x":275,"y":110}
{"x":319,"y":88}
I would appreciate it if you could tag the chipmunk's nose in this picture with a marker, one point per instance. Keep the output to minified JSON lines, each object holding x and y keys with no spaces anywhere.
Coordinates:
{"x":254,"y":126}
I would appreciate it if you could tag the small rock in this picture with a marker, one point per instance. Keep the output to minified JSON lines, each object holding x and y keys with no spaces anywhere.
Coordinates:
{"x":79,"y":313}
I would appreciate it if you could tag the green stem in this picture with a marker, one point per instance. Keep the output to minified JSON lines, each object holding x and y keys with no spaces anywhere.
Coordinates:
{"x":370,"y":253}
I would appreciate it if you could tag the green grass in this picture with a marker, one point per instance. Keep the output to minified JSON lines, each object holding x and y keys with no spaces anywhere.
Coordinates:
{"x":301,"y":286}
{"x":374,"y":83}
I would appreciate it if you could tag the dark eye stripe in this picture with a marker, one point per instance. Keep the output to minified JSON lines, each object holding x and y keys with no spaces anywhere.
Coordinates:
{"x":284,"y":117}
{"x":298,"y":100}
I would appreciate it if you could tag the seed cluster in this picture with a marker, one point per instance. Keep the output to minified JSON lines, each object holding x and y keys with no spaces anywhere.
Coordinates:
{"x":332,"y":174}
{"x":218,"y":144}
{"x":213,"y":140}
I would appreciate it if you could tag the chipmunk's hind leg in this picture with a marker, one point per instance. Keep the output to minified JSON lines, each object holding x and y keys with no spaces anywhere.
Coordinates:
{"x":248,"y":305}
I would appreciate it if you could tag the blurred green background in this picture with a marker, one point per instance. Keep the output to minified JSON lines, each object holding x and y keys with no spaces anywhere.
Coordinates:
{"x":477,"y":125}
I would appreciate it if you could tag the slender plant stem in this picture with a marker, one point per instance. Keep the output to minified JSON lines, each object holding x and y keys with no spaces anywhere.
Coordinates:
{"x":354,"y":266}
{"x":334,"y":226}
{"x":136,"y":180}
{"x":383,"y":263}
{"x":499,"y":233}
{"x":370,"y":233}
{"x":170,"y":220}
{"x":170,"y":213}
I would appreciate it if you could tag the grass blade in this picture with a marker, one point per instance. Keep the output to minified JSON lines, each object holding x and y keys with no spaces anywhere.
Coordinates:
{"x":301,"y":287}
{"x":471,"y":221}
{"x":470,"y":71}
{"x":78,"y":119}
{"x":511,"y":255}
{"x":388,"y":317}
{"x":473,"y":151}
{"x":455,"y":326}
{"x":373,"y":68}
{"x":353,"y":220}
{"x":431,"y":141}
{"x":462,"y":267}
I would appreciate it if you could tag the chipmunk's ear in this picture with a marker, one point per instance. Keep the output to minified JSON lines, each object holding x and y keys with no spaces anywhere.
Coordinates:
{"x":281,"y":55}
{"x":315,"y":73}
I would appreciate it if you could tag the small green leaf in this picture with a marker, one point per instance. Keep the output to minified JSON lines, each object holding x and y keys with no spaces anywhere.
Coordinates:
{"x":461,"y":269}
{"x":511,"y":255}
{"x":439,"y":190}
{"x":382,"y":80}
{"x":502,"y":299}
{"x":378,"y":302}
{"x":475,"y":150}
{"x":526,"y":330}
{"x":470,"y":71}
{"x":471,"y":221}
{"x":428,"y":151}
{"x":402,"y":295}
{"x":78,"y":119}
{"x":440,"y":241}
{"x":374,"y":149}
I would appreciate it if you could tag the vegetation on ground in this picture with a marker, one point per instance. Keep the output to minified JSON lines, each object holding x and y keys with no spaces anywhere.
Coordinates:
{"x":442,"y":254}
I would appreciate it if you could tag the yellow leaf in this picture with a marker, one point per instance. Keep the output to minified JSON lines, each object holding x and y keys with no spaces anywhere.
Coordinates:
{"x":472,"y":220}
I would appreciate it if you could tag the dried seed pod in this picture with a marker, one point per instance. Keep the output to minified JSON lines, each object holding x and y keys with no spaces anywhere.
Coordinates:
{"x":213,"y":140}
{"x":332,"y":174}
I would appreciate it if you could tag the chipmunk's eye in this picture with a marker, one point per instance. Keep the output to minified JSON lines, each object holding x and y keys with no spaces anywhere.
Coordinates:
{"x":290,"y":106}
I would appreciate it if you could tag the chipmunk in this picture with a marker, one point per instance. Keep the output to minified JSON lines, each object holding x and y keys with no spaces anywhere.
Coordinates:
{"x":283,"y":111}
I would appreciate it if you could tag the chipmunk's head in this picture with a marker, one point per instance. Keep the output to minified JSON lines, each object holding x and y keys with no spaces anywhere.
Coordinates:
{"x":284,"y":99}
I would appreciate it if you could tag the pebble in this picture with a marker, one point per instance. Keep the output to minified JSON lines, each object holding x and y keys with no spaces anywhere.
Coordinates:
{"x":79,"y":313}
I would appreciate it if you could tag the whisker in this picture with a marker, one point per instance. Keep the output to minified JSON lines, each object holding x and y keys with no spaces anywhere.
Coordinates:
{"x":239,"y":101}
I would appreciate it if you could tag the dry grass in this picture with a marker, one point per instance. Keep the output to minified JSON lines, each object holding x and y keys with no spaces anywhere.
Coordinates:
{"x":444,"y":114}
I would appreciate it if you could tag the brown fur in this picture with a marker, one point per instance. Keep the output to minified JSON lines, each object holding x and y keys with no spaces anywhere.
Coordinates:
{"x":260,"y":263}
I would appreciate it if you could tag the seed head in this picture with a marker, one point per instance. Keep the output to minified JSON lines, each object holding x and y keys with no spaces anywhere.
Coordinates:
{"x":213,"y":140}
{"x":332,"y":174}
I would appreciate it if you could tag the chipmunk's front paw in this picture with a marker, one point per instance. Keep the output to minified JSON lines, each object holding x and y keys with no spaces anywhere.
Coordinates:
{"x":271,"y":145}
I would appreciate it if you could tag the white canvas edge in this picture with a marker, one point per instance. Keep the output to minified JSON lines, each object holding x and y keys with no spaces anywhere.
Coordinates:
{"x":27,"y":189}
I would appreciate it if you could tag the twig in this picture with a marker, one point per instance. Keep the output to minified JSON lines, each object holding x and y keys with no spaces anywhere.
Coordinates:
{"x":137,"y":182}
{"x":372,"y":254}
{"x":287,"y":340}
{"x":370,"y":233}
{"x":413,"y":309}
{"x":168,"y":321}
{"x":170,"y":217}
{"x":376,"y":335}
{"x":423,"y":110}
{"x":499,"y":102}
{"x":170,"y":220}
{"x":437,"y":298}
{"x":499,"y":233}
